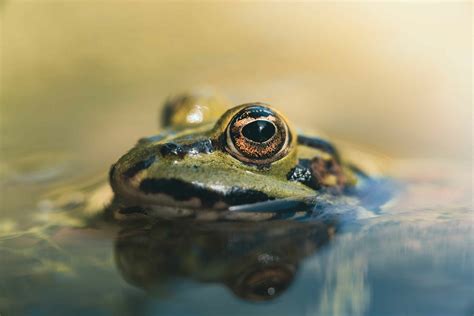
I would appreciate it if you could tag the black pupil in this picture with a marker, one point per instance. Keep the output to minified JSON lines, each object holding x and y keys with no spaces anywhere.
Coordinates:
{"x":259,"y":131}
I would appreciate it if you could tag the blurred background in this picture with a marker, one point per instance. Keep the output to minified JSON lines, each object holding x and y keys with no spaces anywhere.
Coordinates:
{"x":81,"y":81}
{"x":88,"y":78}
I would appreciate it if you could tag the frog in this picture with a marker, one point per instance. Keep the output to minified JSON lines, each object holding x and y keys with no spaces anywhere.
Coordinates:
{"x":214,"y":161}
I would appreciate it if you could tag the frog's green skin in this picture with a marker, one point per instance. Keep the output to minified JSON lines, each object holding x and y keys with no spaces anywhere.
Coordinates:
{"x":257,"y":261}
{"x":193,"y":166}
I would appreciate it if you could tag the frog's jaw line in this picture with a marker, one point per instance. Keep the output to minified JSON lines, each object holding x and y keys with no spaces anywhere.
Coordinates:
{"x":210,"y":196}
{"x":131,"y":194}
{"x":174,"y":192}
{"x":169,"y":208}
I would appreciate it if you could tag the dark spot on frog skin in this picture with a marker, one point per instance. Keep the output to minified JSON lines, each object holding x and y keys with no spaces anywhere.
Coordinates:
{"x":179,"y":151}
{"x":111,"y":172}
{"x":313,"y":172}
{"x":172,"y":149}
{"x":183,"y":191}
{"x":320,"y":144}
{"x":203,"y":146}
{"x":236,"y":196}
{"x":143,"y":164}
{"x":302,"y":173}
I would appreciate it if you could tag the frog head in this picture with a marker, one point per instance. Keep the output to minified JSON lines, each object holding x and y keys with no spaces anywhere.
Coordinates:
{"x":249,"y":154}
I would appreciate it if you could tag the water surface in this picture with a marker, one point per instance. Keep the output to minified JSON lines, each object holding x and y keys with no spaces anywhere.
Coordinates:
{"x":412,"y":257}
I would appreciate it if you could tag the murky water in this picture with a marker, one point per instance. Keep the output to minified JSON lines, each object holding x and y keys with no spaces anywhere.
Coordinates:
{"x":81,"y":82}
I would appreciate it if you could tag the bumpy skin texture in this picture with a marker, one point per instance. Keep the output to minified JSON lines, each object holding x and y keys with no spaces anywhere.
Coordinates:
{"x":209,"y":165}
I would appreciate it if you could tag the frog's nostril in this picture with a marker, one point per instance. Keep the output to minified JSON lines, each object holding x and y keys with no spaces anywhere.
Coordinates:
{"x":172,"y":149}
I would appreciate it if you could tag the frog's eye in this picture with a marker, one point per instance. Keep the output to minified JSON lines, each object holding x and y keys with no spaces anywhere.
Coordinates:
{"x":257,"y":135}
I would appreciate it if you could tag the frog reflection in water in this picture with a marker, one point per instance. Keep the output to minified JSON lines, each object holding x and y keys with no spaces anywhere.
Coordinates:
{"x":208,"y":160}
{"x":257,"y":261}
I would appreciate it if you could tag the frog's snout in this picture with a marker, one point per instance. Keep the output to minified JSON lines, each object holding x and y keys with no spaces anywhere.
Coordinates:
{"x":170,"y":150}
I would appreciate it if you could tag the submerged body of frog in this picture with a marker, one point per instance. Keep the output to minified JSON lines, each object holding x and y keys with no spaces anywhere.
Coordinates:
{"x":207,"y":161}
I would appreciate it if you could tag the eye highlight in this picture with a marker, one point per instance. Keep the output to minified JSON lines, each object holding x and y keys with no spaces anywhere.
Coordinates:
{"x":257,"y":135}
